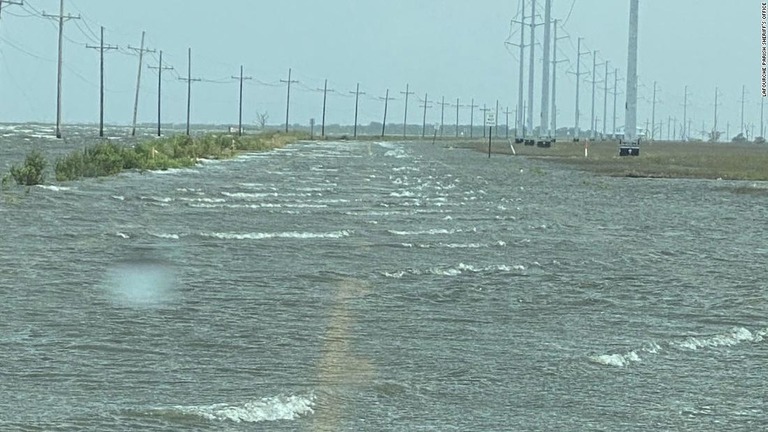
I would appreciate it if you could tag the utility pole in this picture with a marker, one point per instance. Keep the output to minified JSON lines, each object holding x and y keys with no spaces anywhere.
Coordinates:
{"x":669,"y":124}
{"x":555,"y":61}
{"x":325,"y":94}
{"x":357,"y":94}
{"x":4,"y":3}
{"x":592,"y":134}
{"x":240,"y":110}
{"x":743,"y":89}
{"x":61,"y":17}
{"x":458,"y":105}
{"x":544,"y":128}
{"x":496,"y":121}
{"x":472,"y":107}
{"x":101,"y":47}
{"x":506,"y":122}
{"x":288,"y":98}
{"x":443,"y":103}
{"x":615,"y":94}
{"x":485,"y":114}
{"x":189,"y":81}
{"x":386,"y":99}
{"x":405,"y":115}
{"x":424,"y":121}
{"x":141,"y":51}
{"x":531,"y":67}
{"x":653,"y":112}
{"x":605,"y":99}
{"x":684,"y":136}
{"x":160,"y":68}
{"x":578,"y":80}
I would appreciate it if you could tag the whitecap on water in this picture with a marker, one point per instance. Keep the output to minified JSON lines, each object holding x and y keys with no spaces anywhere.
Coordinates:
{"x":54,"y":188}
{"x":618,"y":360}
{"x":736,"y":336}
{"x":265,"y":409}
{"x":270,"y":235}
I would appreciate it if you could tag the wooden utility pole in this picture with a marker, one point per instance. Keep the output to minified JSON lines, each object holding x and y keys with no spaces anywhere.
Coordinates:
{"x":288,"y":98}
{"x":458,"y":105}
{"x":4,"y":3}
{"x":405,"y":115}
{"x":101,"y":47}
{"x":386,"y":100}
{"x":485,"y":113}
{"x":141,"y":50}
{"x":506,"y":121}
{"x":424,"y":120}
{"x":189,"y":80}
{"x":61,"y":17}
{"x":472,"y":107}
{"x":357,"y":94}
{"x":240,"y":110}
{"x":443,"y":103}
{"x":160,"y":68}
{"x":325,"y":94}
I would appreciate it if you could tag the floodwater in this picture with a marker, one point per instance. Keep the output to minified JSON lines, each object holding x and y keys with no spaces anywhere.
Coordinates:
{"x":348,"y":286}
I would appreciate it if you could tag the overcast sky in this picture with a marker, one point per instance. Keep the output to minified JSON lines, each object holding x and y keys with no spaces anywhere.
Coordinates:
{"x":449,"y":48}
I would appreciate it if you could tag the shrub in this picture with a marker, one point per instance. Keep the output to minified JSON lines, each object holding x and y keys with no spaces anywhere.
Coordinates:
{"x":31,"y":173}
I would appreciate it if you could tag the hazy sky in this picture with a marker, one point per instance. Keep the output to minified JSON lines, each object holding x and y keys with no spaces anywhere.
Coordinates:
{"x":445,"y":48}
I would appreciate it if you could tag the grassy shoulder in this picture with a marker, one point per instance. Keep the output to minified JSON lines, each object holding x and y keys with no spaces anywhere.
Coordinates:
{"x":109,"y":158}
{"x":659,"y":159}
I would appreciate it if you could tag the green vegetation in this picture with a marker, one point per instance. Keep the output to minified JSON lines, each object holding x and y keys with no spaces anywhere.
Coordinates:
{"x":31,"y":173}
{"x":179,"y":151}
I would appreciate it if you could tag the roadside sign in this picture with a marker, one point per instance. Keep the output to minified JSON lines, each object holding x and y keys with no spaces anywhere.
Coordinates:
{"x":490,"y":118}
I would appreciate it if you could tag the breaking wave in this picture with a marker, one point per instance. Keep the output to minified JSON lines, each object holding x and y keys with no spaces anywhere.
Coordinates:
{"x":454,"y":270}
{"x":264,"y":235}
{"x":735,"y":336}
{"x":265,"y":409}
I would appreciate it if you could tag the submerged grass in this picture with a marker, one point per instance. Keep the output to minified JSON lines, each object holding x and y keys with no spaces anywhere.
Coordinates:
{"x":105,"y":159}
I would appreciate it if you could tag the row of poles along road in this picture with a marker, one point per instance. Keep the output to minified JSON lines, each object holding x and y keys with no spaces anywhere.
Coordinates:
{"x":523,"y":121}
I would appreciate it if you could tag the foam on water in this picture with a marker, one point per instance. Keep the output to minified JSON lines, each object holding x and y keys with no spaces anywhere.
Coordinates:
{"x":735,"y":336}
{"x":265,"y":409}
{"x":618,"y":360}
{"x":54,"y":188}
{"x":264,"y":235}
{"x":457,"y":270}
{"x":432,"y":231}
{"x":165,"y":236}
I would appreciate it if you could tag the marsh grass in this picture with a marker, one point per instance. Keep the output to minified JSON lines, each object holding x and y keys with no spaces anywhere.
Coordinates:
{"x":107,"y":158}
